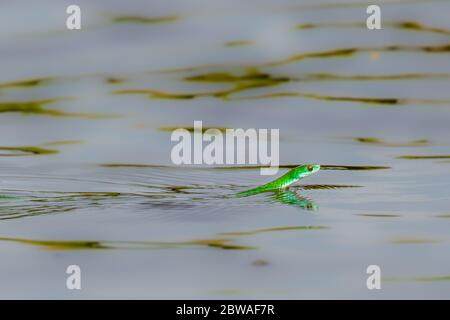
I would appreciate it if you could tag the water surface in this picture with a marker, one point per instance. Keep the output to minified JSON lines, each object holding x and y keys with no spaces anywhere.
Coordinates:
{"x":85,"y":170}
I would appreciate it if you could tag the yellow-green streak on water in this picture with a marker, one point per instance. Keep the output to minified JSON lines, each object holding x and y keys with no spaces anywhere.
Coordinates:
{"x":24,"y":83}
{"x":37,"y":107}
{"x":403,"y":25}
{"x":144,"y":19}
{"x":27,"y":150}
{"x":225,"y":244}
{"x":381,"y":142}
{"x":273,"y":229}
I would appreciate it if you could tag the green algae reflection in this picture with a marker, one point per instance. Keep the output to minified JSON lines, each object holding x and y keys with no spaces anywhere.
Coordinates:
{"x":26,"y":150}
{"x":38,"y":107}
{"x":322,"y":76}
{"x":25,"y":83}
{"x":402,"y":25}
{"x":313,"y":55}
{"x":412,"y":241}
{"x":424,"y":157}
{"x":378,"y":215}
{"x":381,"y":142}
{"x":417,"y":279}
{"x":192,"y":129}
{"x":238,"y":43}
{"x":273,"y":229}
{"x":251,"y":79}
{"x":225,"y":244}
{"x":34,"y":150}
{"x":145,"y":19}
{"x":218,"y":243}
{"x":364,"y":100}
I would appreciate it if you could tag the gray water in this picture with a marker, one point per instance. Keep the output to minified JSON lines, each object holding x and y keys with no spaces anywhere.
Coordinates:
{"x":101,"y":191}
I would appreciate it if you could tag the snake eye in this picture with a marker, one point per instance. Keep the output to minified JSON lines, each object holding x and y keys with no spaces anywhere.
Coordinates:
{"x":310,"y":168}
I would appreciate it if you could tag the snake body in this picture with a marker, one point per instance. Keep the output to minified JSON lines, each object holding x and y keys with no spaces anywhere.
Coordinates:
{"x":284,"y":181}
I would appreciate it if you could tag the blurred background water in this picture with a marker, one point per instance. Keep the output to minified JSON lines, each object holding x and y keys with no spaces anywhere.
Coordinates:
{"x":85,"y":170}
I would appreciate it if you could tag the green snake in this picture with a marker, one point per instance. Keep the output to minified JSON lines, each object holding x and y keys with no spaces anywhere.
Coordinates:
{"x":284,"y":181}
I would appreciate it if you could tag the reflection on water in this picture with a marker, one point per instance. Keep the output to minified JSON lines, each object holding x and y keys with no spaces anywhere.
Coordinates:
{"x":89,"y":245}
{"x":85,"y":170}
{"x":425,"y":157}
{"x":371,"y":140}
{"x":408,"y":25}
{"x":293,"y":199}
{"x":37,"y":107}
{"x":419,"y":279}
{"x":144,"y":20}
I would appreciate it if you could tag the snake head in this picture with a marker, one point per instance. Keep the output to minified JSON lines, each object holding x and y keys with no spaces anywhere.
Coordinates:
{"x":306,"y":170}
